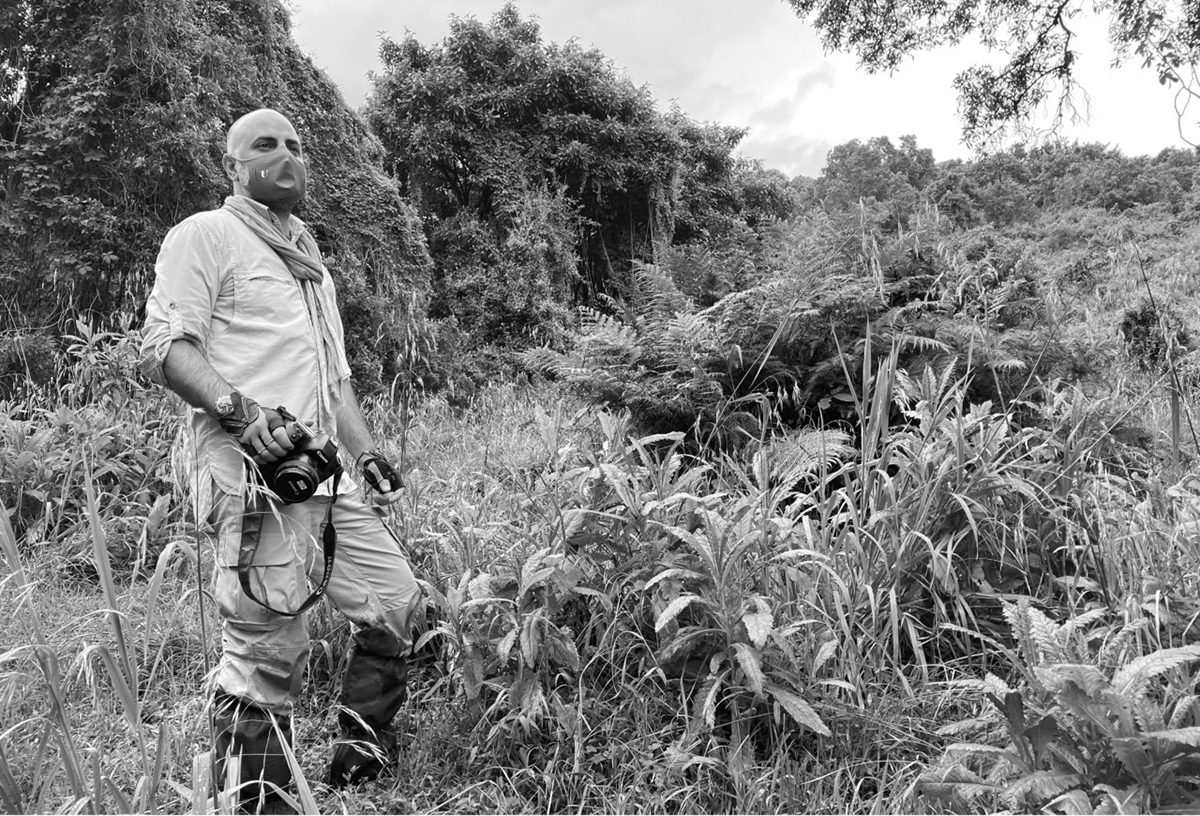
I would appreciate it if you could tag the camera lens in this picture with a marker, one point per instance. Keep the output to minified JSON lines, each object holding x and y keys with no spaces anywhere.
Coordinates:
{"x":295,"y":480}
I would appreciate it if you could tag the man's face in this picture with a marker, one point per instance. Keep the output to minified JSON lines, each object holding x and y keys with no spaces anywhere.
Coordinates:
{"x":260,"y":133}
{"x":265,"y":160}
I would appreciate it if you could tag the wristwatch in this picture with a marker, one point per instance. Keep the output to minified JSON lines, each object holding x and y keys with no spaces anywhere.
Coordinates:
{"x":225,"y":405}
{"x":234,"y":412}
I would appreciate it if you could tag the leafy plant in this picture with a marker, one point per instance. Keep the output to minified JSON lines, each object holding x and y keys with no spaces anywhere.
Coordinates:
{"x":1094,"y":727}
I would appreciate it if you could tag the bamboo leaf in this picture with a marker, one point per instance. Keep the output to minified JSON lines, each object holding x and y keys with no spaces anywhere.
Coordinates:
{"x":531,"y":639}
{"x":710,"y":700}
{"x":129,"y":703}
{"x":156,"y":582}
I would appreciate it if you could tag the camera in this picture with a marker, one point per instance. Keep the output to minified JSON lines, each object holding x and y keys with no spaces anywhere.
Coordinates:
{"x":295,"y":477}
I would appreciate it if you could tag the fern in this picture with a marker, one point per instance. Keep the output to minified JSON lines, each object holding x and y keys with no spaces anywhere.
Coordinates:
{"x":1039,"y":786}
{"x":1131,"y":679}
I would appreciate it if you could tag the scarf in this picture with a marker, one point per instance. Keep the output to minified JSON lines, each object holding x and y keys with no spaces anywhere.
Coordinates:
{"x":303,"y":260}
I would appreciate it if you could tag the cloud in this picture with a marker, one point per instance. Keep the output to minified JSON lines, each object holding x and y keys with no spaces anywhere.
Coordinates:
{"x":787,"y":152}
{"x":744,"y":63}
{"x":784,"y":110}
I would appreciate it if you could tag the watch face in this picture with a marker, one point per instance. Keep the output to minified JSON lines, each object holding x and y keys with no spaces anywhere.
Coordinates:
{"x":225,"y":405}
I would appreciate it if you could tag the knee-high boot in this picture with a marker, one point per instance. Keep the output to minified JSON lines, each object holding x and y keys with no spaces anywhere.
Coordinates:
{"x":252,"y":736}
{"x":373,"y":689}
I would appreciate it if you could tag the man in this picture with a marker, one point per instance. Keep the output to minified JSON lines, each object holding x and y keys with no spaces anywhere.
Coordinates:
{"x":243,"y":318}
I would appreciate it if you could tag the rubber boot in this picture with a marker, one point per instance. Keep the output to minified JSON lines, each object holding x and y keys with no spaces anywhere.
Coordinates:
{"x":373,"y":690}
{"x":249,"y":733}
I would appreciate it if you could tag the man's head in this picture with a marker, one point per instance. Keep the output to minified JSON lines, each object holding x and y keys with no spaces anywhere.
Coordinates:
{"x":264,"y":161}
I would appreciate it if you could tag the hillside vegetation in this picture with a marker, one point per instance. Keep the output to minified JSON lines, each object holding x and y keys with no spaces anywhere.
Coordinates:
{"x":730,"y":492}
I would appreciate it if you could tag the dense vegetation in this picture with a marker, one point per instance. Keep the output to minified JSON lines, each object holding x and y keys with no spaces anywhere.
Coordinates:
{"x":731,"y":492}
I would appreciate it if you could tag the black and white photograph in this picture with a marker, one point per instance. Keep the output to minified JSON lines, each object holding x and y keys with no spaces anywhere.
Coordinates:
{"x":578,"y":407}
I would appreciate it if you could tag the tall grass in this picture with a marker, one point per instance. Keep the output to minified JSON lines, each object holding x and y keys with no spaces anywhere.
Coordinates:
{"x":615,"y":623}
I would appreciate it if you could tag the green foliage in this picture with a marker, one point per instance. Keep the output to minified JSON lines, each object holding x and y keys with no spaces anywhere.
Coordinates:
{"x":1095,"y":727}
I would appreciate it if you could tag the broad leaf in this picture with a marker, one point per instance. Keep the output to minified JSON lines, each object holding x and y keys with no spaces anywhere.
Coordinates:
{"x":673,"y":609}
{"x":798,"y":708}
{"x":759,"y":624}
{"x":751,"y":663}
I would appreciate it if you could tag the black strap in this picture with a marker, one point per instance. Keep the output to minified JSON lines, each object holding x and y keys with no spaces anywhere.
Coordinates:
{"x":252,"y":532}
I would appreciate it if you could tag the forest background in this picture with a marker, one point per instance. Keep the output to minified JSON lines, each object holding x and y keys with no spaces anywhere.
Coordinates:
{"x":731,"y":491}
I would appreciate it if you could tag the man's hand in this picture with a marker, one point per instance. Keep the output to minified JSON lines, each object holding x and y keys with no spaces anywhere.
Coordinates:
{"x":380,"y":474}
{"x":262,"y":432}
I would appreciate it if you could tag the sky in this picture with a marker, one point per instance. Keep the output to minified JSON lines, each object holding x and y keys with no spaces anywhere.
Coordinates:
{"x":752,"y":64}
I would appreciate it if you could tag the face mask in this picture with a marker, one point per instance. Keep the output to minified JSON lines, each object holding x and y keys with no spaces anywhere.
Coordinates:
{"x":276,"y":178}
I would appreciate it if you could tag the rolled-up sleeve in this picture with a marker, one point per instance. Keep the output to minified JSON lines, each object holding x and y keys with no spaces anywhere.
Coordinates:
{"x":187,"y":280}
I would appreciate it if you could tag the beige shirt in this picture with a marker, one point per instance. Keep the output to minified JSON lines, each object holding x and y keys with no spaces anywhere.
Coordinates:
{"x":223,"y":288}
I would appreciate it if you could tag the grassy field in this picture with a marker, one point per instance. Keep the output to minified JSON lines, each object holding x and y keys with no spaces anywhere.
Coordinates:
{"x":977,"y":609}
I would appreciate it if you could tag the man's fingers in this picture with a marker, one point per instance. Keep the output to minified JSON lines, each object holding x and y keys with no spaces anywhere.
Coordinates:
{"x":282,"y":439}
{"x":273,"y":446}
{"x":263,"y":445}
{"x":384,"y":499}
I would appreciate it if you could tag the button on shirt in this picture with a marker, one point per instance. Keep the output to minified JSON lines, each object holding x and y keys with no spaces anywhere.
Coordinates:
{"x":223,"y":288}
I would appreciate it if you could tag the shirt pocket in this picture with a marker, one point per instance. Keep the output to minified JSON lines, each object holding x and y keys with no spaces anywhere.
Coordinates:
{"x":267,"y":295}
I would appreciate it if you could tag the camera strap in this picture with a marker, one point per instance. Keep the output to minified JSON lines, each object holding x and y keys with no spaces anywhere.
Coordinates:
{"x":252,"y":532}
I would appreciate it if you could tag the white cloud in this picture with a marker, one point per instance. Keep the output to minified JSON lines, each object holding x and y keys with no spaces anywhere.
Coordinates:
{"x":748,"y":63}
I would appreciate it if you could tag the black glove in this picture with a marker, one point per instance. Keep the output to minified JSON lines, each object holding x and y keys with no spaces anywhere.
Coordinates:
{"x":379,"y":472}
{"x":235,"y":413}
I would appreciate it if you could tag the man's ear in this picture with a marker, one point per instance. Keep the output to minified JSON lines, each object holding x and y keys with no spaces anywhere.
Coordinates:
{"x":229,"y":164}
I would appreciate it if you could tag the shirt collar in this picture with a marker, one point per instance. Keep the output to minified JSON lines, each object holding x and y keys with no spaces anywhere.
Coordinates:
{"x":293,"y":228}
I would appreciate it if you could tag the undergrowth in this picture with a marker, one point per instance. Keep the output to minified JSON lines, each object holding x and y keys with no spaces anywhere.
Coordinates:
{"x":812,"y":620}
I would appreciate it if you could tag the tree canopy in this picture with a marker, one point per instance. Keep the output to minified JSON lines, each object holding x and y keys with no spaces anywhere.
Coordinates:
{"x":543,"y":171}
{"x":1038,"y":40}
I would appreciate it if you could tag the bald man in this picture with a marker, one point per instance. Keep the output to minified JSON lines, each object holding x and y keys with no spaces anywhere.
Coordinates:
{"x":243,"y":324}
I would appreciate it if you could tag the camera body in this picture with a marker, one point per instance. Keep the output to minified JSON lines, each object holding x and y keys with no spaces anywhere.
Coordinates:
{"x":295,"y":477}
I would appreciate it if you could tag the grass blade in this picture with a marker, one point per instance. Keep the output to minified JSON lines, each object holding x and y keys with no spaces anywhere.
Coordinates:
{"x":10,"y":794}
{"x":104,"y":570}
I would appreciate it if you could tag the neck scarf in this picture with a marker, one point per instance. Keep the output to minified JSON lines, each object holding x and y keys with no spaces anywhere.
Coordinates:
{"x":303,"y":260}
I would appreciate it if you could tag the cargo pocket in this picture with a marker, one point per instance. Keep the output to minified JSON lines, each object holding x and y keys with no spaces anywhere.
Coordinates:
{"x":274,"y":569}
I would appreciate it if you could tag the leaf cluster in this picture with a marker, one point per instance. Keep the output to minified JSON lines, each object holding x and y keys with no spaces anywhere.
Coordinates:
{"x":1094,"y":728}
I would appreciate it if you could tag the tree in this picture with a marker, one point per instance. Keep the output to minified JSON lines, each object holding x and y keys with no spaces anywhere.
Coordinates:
{"x":112,"y":123}
{"x":492,"y":115}
{"x":1036,"y":36}
{"x":544,"y":173}
{"x":877,"y":173}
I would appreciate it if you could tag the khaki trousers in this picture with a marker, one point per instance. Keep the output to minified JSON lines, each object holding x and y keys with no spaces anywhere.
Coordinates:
{"x":264,"y":654}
